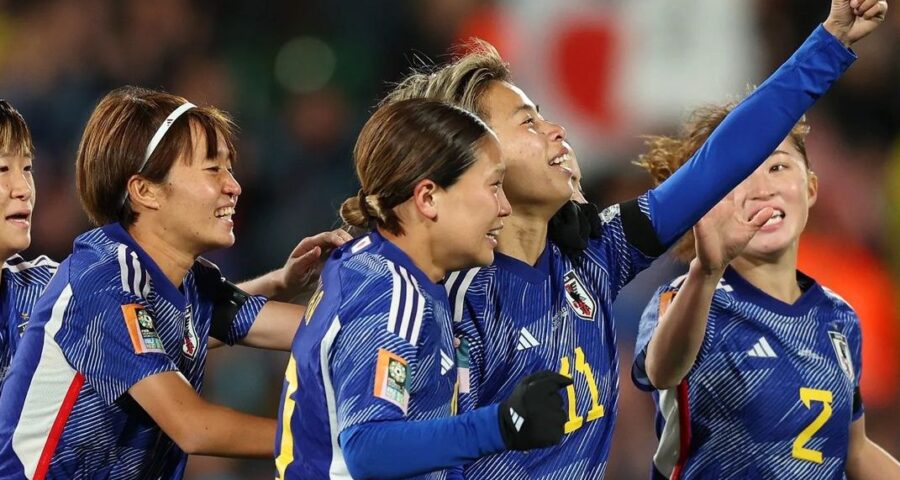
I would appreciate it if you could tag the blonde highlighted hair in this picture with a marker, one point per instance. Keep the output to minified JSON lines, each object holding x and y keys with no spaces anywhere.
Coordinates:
{"x":460,"y":83}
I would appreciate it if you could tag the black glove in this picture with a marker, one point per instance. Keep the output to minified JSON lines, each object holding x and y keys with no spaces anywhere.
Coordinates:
{"x":533,"y":416}
{"x":573,"y":225}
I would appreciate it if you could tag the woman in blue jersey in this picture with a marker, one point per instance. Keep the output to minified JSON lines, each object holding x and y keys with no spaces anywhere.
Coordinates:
{"x":21,"y":281}
{"x":754,"y":366}
{"x":107,"y":377}
{"x":537,"y":307}
{"x":370,"y":388}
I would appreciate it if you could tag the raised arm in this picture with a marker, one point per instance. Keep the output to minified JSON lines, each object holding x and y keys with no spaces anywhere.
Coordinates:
{"x":720,"y":236}
{"x":769,"y":113}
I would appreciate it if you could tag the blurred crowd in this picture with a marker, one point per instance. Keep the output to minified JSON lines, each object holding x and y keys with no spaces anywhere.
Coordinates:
{"x":301,"y":77}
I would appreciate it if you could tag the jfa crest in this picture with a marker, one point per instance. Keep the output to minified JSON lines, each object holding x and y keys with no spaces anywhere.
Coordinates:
{"x":842,"y":350}
{"x":578,"y":297}
{"x":189,"y":347}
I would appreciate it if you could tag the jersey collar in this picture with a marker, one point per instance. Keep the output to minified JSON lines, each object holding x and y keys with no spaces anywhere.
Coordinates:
{"x":537,"y":273}
{"x":812,"y":293}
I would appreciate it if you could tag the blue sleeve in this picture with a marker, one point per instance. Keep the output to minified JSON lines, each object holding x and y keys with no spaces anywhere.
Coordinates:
{"x":401,"y":449}
{"x":111,"y":338}
{"x":855,"y":339}
{"x":646,"y":328}
{"x":747,"y":136}
{"x":244,"y":319}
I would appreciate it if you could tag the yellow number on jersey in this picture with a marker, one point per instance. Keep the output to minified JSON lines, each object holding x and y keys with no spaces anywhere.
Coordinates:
{"x":576,"y":421}
{"x":286,"y":451}
{"x":807,"y":396}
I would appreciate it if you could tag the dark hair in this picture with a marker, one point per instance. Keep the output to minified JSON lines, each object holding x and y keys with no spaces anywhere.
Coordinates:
{"x":15,"y":138}
{"x":666,"y":154}
{"x":400,"y":145}
{"x":115,"y":141}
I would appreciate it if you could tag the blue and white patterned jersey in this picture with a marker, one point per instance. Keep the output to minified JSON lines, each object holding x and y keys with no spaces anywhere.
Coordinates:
{"x":376,"y":345}
{"x":108,"y":319}
{"x":514,"y":319}
{"x":20,"y":286}
{"x":772,"y":393}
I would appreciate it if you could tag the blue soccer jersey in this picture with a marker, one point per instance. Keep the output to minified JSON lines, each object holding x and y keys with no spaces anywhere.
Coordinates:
{"x":515,"y":319}
{"x":376,"y":345}
{"x":773,"y":390}
{"x":108,"y":319}
{"x":20,"y":286}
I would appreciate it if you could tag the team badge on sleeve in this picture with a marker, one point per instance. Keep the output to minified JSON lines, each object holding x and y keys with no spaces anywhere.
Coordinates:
{"x":842,"y":350}
{"x":579,"y":299}
{"x":391,"y":379}
{"x":140,"y":326}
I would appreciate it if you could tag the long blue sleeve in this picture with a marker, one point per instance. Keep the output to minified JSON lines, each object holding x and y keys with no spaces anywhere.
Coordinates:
{"x":402,"y":449}
{"x":747,"y":136}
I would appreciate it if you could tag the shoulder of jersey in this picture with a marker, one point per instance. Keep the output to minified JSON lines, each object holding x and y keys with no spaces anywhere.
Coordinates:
{"x":18,"y":264}
{"x":371,"y":280}
{"x":102,"y":263}
{"x":723,"y":288}
{"x":361,"y":268}
{"x":837,"y":301}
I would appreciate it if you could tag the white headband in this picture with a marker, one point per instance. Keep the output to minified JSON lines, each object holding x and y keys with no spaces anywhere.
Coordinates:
{"x":161,"y":131}
{"x":157,"y":137}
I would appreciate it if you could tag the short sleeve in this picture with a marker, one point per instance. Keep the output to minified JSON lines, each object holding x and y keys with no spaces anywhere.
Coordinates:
{"x":244,"y":319}
{"x":649,"y":320}
{"x":111,"y":338}
{"x":856,"y":340}
{"x":374,"y":358}
{"x":627,"y":245}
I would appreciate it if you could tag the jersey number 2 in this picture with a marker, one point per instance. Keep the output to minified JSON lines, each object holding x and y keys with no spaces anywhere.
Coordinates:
{"x":807,"y":396}
{"x":581,"y":366}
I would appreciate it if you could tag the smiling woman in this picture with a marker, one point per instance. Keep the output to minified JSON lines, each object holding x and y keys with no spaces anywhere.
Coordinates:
{"x":20,"y":281}
{"x":744,"y":322}
{"x":432,"y":193}
{"x":122,"y":331}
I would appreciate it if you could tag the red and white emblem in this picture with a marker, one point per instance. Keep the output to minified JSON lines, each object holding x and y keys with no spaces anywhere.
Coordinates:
{"x":578,"y":297}
{"x":189,"y":347}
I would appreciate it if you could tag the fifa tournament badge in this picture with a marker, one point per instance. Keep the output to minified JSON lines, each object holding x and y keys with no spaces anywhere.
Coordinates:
{"x":391,"y":379}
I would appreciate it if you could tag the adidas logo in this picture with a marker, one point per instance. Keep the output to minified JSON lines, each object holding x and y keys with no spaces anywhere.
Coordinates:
{"x":526,"y":340}
{"x":516,"y":418}
{"x":446,"y":363}
{"x":762,"y":349}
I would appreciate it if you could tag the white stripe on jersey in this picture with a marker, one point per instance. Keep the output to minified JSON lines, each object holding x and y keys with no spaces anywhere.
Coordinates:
{"x":138,"y":274}
{"x":338,"y":469}
{"x":140,"y":284}
{"x":666,"y":455}
{"x":123,"y":267}
{"x":407,"y":303}
{"x":21,"y":265}
{"x":461,"y":294}
{"x":420,"y":312}
{"x":395,"y":298}
{"x":49,"y":386}
{"x":402,"y":307}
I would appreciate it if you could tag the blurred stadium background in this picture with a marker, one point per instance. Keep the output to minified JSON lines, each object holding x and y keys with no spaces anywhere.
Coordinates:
{"x":300,"y":78}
